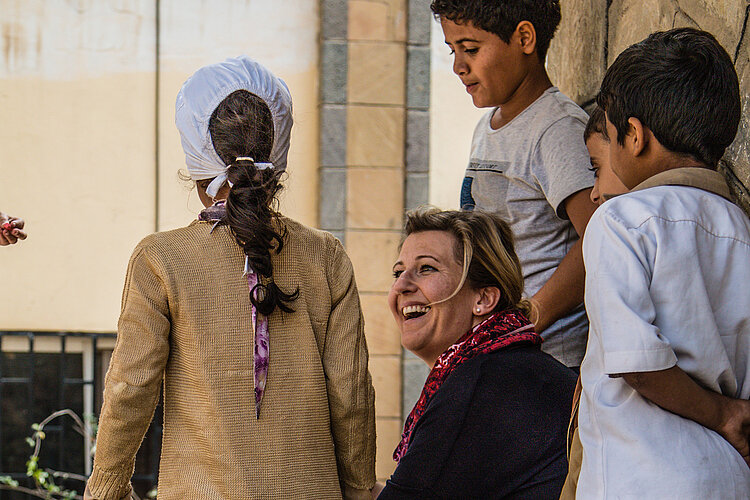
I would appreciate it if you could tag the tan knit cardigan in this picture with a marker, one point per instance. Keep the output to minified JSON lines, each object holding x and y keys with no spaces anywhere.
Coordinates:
{"x":186,"y":323}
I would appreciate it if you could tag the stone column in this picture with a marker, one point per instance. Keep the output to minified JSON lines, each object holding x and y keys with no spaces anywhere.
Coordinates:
{"x":375,"y":187}
{"x":363,"y":117}
{"x":414,"y":371}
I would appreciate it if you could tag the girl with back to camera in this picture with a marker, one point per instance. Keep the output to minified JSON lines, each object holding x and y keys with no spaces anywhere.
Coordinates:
{"x":251,"y":320}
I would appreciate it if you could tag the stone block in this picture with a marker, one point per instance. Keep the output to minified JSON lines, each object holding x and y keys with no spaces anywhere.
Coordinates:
{"x":375,"y":136}
{"x":383,"y":336}
{"x":375,"y":198}
{"x":383,"y":20}
{"x":414,"y":372}
{"x":389,"y":435}
{"x":373,"y":254}
{"x":386,"y":378}
{"x":341,"y":236}
{"x":417,"y":190}
{"x":398,"y":19}
{"x":368,"y":20}
{"x":576,"y":59}
{"x":332,"y":135}
{"x":420,"y":17}
{"x":740,"y":192}
{"x":631,"y":21}
{"x":722,"y":18}
{"x":333,"y":72}
{"x":737,"y":157}
{"x":376,"y":73}
{"x":332,"y":198}
{"x":417,"y":141}
{"x":333,"y":19}
{"x":418,"y":77}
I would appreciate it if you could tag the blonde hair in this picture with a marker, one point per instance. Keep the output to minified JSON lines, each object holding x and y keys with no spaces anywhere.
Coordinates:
{"x":484,"y":244}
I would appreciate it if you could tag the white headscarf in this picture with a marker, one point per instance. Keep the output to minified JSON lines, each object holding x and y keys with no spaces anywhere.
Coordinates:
{"x":204,"y":91}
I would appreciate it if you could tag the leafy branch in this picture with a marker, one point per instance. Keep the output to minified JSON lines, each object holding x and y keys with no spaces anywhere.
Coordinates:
{"x":44,"y":479}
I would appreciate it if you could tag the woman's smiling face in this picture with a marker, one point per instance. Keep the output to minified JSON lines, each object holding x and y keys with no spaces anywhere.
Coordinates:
{"x":426,"y":272}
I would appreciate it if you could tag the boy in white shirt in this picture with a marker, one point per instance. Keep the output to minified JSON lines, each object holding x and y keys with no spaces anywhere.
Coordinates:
{"x":606,"y":186}
{"x":666,"y":286}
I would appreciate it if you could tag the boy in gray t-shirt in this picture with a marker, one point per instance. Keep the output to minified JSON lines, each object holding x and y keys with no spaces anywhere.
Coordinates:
{"x":528,"y":159}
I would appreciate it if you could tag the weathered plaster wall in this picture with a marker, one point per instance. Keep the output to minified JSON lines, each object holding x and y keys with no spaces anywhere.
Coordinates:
{"x":281,"y":34}
{"x":452,"y":121}
{"x":88,"y":148}
{"x":77,"y":150}
{"x":594,"y":32}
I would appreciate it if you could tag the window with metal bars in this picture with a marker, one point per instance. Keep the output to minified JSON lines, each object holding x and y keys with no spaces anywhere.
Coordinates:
{"x":42,"y":372}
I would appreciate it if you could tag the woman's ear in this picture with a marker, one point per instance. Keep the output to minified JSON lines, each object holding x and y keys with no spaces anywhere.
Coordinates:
{"x":487,"y":299}
{"x":526,"y":34}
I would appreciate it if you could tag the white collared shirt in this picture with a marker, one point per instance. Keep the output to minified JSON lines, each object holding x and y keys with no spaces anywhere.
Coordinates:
{"x":667,"y":283}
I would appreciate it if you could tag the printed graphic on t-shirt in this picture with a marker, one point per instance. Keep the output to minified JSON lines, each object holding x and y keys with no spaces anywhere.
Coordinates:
{"x":485,"y":186}
{"x":467,"y":202}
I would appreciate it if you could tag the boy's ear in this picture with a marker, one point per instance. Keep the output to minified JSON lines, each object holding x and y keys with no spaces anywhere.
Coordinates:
{"x":526,"y":34}
{"x":638,"y":136}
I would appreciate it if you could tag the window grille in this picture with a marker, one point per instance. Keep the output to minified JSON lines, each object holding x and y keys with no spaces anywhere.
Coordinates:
{"x":42,"y":372}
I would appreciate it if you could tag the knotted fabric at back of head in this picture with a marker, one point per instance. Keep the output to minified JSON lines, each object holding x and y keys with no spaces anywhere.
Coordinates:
{"x":203,"y":92}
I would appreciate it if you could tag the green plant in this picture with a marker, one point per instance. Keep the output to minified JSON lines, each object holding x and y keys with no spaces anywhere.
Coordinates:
{"x":44,"y":479}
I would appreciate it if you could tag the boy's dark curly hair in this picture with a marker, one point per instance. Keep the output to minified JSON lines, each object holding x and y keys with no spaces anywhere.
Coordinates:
{"x":597,"y":124}
{"x":682,"y":85}
{"x":501,"y":17}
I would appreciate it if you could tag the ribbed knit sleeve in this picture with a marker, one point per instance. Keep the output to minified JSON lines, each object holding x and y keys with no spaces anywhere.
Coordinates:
{"x":350,"y":393}
{"x":134,"y":377}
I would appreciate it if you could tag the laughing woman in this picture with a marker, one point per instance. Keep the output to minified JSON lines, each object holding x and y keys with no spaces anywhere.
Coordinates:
{"x":492,"y":417}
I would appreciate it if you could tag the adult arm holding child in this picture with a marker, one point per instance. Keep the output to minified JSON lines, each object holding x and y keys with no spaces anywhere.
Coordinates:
{"x":674,"y":390}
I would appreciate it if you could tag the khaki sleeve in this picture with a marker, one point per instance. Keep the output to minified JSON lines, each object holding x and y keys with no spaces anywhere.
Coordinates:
{"x":133,"y":381}
{"x":351,"y":397}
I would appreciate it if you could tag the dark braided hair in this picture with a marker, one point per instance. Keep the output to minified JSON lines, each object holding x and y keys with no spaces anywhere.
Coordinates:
{"x":242,"y":126}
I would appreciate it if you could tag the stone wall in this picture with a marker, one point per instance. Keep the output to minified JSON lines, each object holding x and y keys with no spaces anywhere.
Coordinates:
{"x":365,"y":51}
{"x":594,"y":32}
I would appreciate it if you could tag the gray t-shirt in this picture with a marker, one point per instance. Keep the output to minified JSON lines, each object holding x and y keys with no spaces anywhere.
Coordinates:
{"x":524,"y":171}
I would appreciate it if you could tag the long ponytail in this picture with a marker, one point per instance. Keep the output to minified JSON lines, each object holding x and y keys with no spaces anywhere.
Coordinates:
{"x":241,"y":128}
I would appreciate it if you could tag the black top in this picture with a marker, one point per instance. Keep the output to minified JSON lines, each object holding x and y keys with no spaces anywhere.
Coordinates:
{"x":496,"y":428}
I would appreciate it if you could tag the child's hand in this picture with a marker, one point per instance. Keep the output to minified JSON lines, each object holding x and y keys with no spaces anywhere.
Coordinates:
{"x":11,"y":229}
{"x":735,"y":426}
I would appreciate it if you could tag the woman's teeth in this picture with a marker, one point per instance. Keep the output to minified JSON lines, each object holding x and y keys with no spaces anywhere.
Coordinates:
{"x":410,"y":312}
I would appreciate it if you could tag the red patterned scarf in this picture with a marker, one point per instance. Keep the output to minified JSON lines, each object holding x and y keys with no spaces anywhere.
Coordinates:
{"x":496,"y":332}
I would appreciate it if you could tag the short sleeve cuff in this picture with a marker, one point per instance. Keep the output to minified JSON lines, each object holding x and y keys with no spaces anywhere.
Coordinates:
{"x":558,"y":201}
{"x":639,"y":361}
